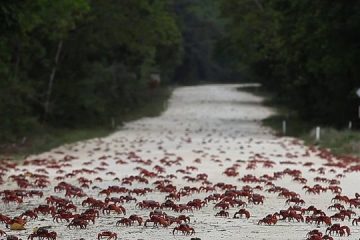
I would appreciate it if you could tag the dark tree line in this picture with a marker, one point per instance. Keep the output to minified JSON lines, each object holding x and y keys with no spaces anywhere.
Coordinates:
{"x":73,"y":63}
{"x":305,"y":51}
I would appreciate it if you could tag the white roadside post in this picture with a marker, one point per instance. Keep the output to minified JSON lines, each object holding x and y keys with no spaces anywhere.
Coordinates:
{"x":284,"y":127}
{"x":350,"y":125}
{"x":317,"y":134}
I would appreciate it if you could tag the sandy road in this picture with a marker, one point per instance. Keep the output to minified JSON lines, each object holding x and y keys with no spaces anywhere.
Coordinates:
{"x":216,"y":124}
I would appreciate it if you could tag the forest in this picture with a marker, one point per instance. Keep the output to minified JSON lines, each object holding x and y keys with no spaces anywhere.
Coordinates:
{"x":71,"y":63}
{"x":305,"y":52}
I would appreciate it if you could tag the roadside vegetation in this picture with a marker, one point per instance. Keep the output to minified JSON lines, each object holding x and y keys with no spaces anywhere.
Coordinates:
{"x":304,"y":52}
{"x":80,"y":64}
{"x":339,"y":140}
{"x":305,"y":55}
{"x":154,"y":102}
{"x":74,"y":69}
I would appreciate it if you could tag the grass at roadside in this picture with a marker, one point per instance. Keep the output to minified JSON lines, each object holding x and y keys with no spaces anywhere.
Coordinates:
{"x":343,"y":141}
{"x":155,"y":102}
{"x":339,"y":141}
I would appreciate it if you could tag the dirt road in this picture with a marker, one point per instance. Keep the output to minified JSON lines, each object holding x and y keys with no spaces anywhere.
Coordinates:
{"x":210,"y":138}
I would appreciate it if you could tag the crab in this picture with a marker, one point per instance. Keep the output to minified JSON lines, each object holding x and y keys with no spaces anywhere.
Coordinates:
{"x":185,"y":229}
{"x":124,"y":221}
{"x":43,"y":235}
{"x":242,"y":212}
{"x":107,"y":234}
{"x":222,"y":213}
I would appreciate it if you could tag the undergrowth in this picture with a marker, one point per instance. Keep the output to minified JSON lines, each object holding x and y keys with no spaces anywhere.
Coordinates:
{"x":340,"y":141}
{"x":154,"y":102}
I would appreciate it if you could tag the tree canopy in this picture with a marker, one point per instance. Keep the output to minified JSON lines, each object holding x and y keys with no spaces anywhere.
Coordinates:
{"x":74,"y":62}
{"x":71,"y":62}
{"x":77,"y":63}
{"x":304,"y":51}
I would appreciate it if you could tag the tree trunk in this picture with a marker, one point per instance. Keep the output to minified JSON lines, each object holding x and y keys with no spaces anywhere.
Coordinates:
{"x":260,"y":6}
{"x":51,"y":79}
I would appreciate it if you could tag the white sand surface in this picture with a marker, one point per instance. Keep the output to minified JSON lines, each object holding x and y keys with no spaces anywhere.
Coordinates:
{"x":214,"y":123}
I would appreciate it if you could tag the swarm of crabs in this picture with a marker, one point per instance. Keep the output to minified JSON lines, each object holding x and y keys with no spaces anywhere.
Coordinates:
{"x":78,"y":198}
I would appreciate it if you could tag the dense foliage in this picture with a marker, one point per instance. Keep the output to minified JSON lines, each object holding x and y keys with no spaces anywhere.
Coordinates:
{"x":82,"y":62}
{"x":305,"y":51}
{"x":74,"y":62}
{"x":201,"y":28}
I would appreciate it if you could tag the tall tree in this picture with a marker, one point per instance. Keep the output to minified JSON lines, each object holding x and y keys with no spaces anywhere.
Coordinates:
{"x":73,"y":62}
{"x":303,"y":50}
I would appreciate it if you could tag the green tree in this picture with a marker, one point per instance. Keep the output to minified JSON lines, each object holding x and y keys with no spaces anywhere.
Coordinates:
{"x":112,"y":54}
{"x":304,"y":51}
{"x":72,"y":62}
